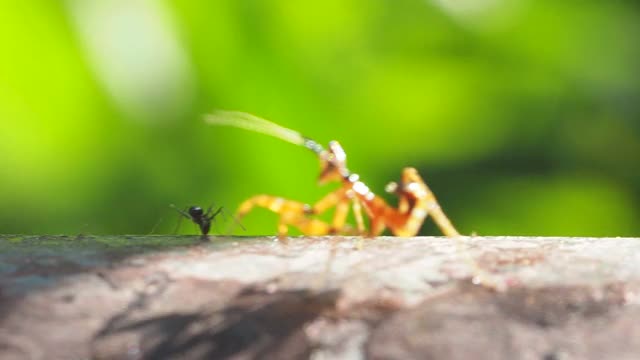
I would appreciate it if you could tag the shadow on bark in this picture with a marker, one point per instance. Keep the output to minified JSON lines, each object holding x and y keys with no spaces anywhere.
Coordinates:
{"x":255,"y":324}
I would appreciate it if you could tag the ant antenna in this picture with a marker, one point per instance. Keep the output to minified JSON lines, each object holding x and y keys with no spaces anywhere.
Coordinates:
{"x":210,"y":214}
{"x":183,"y":214}
{"x":225,"y":215}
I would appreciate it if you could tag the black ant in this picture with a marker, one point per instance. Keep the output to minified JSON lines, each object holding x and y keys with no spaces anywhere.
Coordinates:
{"x":201,"y":218}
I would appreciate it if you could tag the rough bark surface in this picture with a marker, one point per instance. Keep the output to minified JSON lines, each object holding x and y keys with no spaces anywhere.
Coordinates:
{"x":160,"y":297}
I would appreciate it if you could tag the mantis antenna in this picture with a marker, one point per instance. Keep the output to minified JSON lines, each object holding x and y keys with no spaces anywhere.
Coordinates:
{"x":254,"y":123}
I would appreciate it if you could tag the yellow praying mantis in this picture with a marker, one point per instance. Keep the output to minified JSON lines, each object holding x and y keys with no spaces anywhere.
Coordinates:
{"x":415,"y":200}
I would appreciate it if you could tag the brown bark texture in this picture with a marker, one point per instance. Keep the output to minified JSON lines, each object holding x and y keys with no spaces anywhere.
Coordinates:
{"x":178,"y":297}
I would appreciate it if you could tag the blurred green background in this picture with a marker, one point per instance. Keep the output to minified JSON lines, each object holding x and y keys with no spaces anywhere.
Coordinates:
{"x":522,"y":115}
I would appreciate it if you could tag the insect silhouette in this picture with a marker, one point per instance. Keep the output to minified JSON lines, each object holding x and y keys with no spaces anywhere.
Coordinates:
{"x":201,"y":218}
{"x":415,"y":200}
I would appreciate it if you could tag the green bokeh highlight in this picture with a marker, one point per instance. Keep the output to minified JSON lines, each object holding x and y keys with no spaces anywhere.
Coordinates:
{"x":522,"y":117}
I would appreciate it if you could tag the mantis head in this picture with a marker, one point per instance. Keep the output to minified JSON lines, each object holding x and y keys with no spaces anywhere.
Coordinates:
{"x":333,"y":164}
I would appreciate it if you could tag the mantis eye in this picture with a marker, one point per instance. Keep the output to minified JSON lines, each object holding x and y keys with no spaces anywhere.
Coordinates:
{"x":337,"y":152}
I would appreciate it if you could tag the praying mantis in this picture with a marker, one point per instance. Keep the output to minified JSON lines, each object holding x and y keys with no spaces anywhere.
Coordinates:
{"x":416,"y":201}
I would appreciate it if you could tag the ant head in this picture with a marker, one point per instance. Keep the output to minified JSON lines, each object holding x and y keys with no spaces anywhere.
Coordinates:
{"x":196,"y":211}
{"x":333,"y":164}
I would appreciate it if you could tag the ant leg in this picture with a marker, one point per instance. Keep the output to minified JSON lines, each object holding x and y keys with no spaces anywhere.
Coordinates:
{"x":229,"y":229}
{"x":210,"y":216}
{"x":213,"y":216}
{"x":215,"y":226}
{"x":153,"y":229}
{"x":183,"y":214}
{"x":175,"y":231}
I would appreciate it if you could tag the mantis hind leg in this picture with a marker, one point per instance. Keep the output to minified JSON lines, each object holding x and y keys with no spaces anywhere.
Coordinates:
{"x":424,"y":204}
{"x":274,"y":203}
{"x":292,"y":213}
